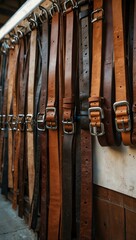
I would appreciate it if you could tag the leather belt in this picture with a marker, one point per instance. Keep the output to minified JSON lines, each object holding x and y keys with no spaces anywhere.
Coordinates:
{"x":85,"y":230}
{"x":43,"y":141}
{"x":29,"y":117}
{"x":13,"y":58}
{"x":121,"y":106}
{"x":52,"y":126}
{"x":95,"y":110}
{"x":134,"y":78}
{"x":21,"y":120}
{"x":111,"y":136}
{"x":68,"y":126}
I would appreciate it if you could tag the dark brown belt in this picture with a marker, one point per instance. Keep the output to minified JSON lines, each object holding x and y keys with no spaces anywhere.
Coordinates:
{"x":52,"y":126}
{"x":111,"y":136}
{"x":85,"y":231}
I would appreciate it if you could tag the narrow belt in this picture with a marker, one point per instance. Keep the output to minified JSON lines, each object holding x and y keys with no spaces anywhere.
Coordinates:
{"x":21,"y":122}
{"x":29,"y":117}
{"x":52,"y":126}
{"x":42,"y":131}
{"x":68,"y":126}
{"x":134,"y":79}
{"x":95,"y":110}
{"x":111,"y":136}
{"x":85,"y":229}
{"x":121,"y":106}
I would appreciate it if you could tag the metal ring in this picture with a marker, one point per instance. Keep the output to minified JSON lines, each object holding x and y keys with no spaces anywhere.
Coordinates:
{"x":44,"y":15}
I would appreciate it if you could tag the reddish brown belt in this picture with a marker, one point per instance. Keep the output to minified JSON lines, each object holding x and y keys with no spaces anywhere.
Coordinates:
{"x":121,"y":106}
{"x":52,"y":126}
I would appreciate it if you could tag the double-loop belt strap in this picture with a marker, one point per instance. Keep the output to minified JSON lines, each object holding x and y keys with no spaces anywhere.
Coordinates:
{"x":85,"y":141}
{"x":29,"y":116}
{"x":121,"y":106}
{"x":42,"y":131}
{"x":111,"y":137}
{"x":11,"y":118}
{"x":134,"y":79}
{"x":68,"y":129}
{"x":16,"y":133}
{"x":95,"y":111}
{"x":51,"y":125}
{"x":4,"y":144}
{"x":21,"y":119}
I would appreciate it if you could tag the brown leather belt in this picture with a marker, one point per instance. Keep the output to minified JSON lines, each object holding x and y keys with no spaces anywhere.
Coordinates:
{"x":95,"y":111}
{"x":29,"y":116}
{"x":52,"y":126}
{"x":111,"y":136}
{"x":85,"y":231}
{"x":121,"y":106}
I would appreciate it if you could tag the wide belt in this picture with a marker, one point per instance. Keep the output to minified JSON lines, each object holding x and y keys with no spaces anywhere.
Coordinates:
{"x":85,"y":223}
{"x":43,"y":141}
{"x":111,"y":136}
{"x":30,"y":111}
{"x":95,"y":110}
{"x":52,"y":126}
{"x":68,"y":123}
{"x":121,"y":106}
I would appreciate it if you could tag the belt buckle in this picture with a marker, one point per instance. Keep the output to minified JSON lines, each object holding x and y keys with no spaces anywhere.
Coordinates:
{"x":2,"y":122}
{"x":94,"y":129}
{"x":12,"y":122}
{"x":21,"y":122}
{"x":51,"y":127}
{"x":94,"y":19}
{"x":68,"y":122}
{"x":123,"y":129}
{"x":29,"y":122}
{"x":41,"y":120}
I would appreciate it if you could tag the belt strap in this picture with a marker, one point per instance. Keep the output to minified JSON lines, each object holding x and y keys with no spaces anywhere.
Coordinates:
{"x":111,"y":136}
{"x":134,"y":79}
{"x":51,"y":125}
{"x":121,"y":106}
{"x":68,"y":129}
{"x":21,"y":120}
{"x":42,"y":131}
{"x":29,"y":116}
{"x":95,"y":111}
{"x":85,"y":142}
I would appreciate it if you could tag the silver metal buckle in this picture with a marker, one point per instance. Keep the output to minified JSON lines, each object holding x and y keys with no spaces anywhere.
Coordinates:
{"x":41,"y":122}
{"x":97,"y":18}
{"x":21,"y":122}
{"x":3,"y":122}
{"x":123,"y":129}
{"x":68,"y":122}
{"x":54,"y":111}
{"x":73,"y":5}
{"x":94,"y":129}
{"x":12,"y":122}
{"x":29,"y":122}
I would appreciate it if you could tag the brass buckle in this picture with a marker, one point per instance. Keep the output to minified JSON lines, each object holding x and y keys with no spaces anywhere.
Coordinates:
{"x":68,"y":122}
{"x":94,"y":130}
{"x":50,"y":125}
{"x":29,"y":121}
{"x":21,"y":122}
{"x":41,"y":122}
{"x":12,"y":122}
{"x":123,"y":129}
{"x":3,"y":122}
{"x":95,"y":19}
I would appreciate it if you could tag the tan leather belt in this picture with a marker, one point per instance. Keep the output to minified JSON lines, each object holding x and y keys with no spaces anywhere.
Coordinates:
{"x":95,"y":111}
{"x":121,"y":106}
{"x":85,"y":148}
{"x":29,"y":116}
{"x":52,"y":126}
